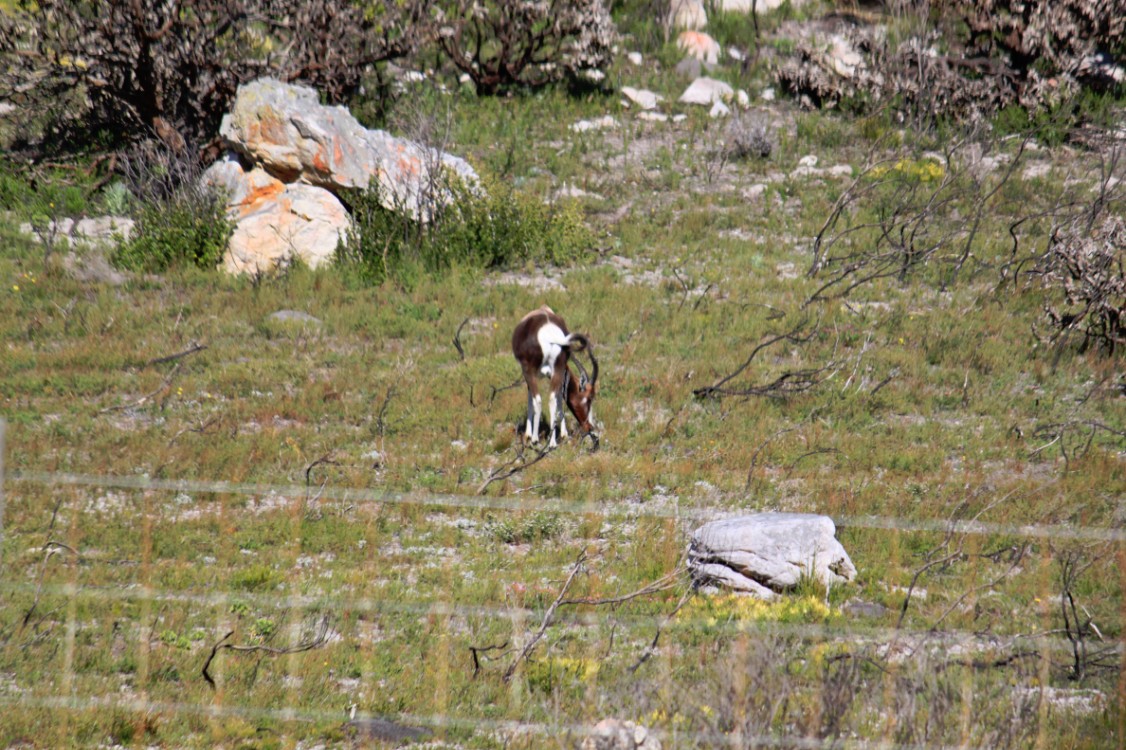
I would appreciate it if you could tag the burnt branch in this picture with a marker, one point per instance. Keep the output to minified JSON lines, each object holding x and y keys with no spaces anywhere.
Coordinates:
{"x":547,"y":618}
{"x":786,"y":384}
{"x":193,"y":349}
{"x":513,"y":467}
{"x":478,"y":652}
{"x":320,"y":636}
{"x":457,"y":340}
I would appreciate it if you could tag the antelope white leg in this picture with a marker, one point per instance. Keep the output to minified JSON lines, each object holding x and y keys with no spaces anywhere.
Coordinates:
{"x":554,"y":417}
{"x":537,"y":410}
{"x":528,"y":418}
{"x":562,"y":417}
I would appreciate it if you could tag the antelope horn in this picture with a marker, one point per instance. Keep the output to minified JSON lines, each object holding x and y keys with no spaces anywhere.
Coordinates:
{"x":582,"y":370}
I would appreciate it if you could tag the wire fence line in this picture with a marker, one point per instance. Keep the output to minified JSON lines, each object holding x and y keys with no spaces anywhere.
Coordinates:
{"x":345,"y":495}
{"x":1047,"y":644}
{"x":856,"y":634}
{"x":442,"y":722}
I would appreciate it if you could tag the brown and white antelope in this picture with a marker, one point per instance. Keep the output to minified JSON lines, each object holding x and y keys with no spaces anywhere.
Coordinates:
{"x":542,"y":345}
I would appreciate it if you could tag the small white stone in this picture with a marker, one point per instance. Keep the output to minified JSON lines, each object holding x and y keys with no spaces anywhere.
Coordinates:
{"x":719,"y":109}
{"x":642,"y":97}
{"x":808,"y":161}
{"x":634,"y":57}
{"x":600,"y":123}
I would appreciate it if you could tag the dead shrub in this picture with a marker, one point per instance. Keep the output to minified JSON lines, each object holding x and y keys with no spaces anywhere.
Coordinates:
{"x":964,"y":60}
{"x":511,"y":43}
{"x":1083,"y":274}
{"x":170,"y":68}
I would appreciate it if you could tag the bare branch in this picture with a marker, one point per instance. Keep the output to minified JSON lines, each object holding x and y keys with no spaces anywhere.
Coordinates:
{"x":547,"y":618}
{"x":320,"y":637}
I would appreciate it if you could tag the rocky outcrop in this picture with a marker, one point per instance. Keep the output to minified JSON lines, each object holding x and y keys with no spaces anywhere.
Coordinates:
{"x":289,"y":159}
{"x":276,"y":223}
{"x":699,"y":45}
{"x":768,"y":553}
{"x":707,"y":91}
{"x":687,"y":14}
{"x":285,"y":130}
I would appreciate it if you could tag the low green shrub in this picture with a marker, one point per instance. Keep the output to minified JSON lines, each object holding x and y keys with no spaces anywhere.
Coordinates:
{"x":488,"y":227}
{"x":188,"y":228}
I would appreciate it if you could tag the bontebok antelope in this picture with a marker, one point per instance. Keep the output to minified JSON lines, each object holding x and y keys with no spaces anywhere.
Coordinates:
{"x":542,"y":345}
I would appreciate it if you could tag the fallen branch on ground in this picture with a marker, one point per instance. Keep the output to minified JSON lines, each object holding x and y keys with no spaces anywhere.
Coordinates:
{"x":319,"y":638}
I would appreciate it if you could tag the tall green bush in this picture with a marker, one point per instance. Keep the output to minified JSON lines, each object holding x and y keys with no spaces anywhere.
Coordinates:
{"x":188,"y":228}
{"x":489,"y":226}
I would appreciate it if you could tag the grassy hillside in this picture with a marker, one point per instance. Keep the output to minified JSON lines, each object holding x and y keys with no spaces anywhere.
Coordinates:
{"x":180,"y":466}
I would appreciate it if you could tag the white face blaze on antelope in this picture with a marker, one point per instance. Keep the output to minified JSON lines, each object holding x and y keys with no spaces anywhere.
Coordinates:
{"x":543,"y":346}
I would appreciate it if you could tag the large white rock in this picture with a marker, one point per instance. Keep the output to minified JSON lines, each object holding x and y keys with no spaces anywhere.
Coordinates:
{"x":286,"y":130}
{"x":687,"y":14}
{"x":699,"y":45}
{"x":760,"y":6}
{"x":765,"y":553}
{"x":707,"y":91}
{"x":274,"y":222}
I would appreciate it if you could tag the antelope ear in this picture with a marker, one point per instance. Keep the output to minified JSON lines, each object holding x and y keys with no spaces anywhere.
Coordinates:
{"x":583,"y":380}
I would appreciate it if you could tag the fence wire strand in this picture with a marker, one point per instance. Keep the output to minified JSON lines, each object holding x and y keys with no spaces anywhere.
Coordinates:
{"x":448,"y":615}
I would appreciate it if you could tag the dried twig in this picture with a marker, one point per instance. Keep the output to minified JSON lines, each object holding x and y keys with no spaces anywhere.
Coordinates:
{"x":515,"y":466}
{"x":324,"y":460}
{"x":786,"y":384}
{"x":50,"y":549}
{"x":319,"y":638}
{"x":165,"y":384}
{"x":547,"y":618}
{"x":457,"y":340}
{"x":494,"y":390}
{"x":475,"y":650}
{"x":193,"y":349}
{"x":652,"y":647}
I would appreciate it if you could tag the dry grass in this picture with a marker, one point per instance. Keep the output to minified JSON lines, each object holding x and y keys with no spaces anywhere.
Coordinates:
{"x":347,"y":429}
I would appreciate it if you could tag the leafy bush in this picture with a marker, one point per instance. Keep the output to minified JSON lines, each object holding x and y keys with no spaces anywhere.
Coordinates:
{"x":491,"y":226}
{"x":540,"y":526}
{"x":190,"y":227}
